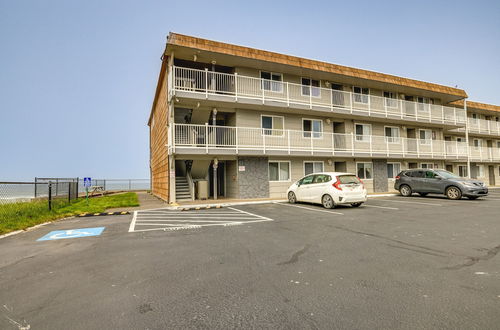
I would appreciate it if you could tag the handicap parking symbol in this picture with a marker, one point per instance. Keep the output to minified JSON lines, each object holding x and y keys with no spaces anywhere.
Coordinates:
{"x":72,"y":233}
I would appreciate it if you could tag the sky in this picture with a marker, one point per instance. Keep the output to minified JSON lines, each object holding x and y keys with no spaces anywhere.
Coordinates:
{"x":77,"y":78}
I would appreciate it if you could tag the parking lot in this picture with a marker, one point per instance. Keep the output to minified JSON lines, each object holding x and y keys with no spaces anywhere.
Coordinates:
{"x":395,"y":262}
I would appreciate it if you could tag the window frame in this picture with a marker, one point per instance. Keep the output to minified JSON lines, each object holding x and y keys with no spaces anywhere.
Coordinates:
{"x":464,"y":167}
{"x":312,"y":161}
{"x":361,"y":94}
{"x":395,"y":98}
{"x":271,"y":73}
{"x":396,"y":139}
{"x":427,"y":168}
{"x":312,"y":132}
{"x":479,"y":144}
{"x":279,"y":172}
{"x":395,"y":173}
{"x":423,"y":108}
{"x":425,"y":141}
{"x":364,"y":170}
{"x":262,"y":129}
{"x":311,"y":87}
{"x":362,"y":139}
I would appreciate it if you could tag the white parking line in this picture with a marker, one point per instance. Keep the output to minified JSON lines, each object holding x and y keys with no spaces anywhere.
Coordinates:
{"x":380,"y":207}
{"x":421,"y":203}
{"x":164,"y":220}
{"x":310,"y":209}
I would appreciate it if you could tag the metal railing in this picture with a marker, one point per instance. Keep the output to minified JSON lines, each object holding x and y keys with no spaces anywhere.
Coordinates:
{"x":207,"y":139}
{"x":118,"y":184}
{"x":240,"y":88}
{"x":490,"y":154}
{"x":482,"y":126}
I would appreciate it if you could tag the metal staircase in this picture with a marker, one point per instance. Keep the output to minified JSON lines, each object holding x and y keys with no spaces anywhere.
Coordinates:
{"x":182,"y":192}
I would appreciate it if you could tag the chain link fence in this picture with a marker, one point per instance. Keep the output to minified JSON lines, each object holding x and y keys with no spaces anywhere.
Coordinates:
{"x":114,"y":185}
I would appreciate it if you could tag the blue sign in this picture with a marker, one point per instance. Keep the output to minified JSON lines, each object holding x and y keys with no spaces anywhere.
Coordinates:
{"x":72,"y":233}
{"x":87,"y":182}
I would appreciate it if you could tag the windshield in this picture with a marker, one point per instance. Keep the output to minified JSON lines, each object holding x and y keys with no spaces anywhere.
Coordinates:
{"x":446,"y":174}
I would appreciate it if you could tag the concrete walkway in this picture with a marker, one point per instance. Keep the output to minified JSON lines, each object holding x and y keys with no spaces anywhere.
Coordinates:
{"x":146,"y":202}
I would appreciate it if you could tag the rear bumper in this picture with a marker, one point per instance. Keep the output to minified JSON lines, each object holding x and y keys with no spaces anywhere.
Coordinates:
{"x":361,"y":198}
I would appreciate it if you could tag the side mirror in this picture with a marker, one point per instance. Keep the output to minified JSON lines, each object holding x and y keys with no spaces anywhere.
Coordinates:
{"x":439,"y":177}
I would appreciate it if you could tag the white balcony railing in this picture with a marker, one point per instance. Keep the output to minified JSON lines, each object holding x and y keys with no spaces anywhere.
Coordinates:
{"x":213,"y":139}
{"x":483,"y":126}
{"x":490,"y":154}
{"x":240,"y":88}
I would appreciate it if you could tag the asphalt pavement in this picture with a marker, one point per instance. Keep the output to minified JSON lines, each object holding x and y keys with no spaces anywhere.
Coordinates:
{"x":394,"y":263}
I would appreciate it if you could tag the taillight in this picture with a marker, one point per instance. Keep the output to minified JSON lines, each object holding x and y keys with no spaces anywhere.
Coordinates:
{"x":362,"y":183}
{"x":336,"y":184}
{"x":397,"y":177}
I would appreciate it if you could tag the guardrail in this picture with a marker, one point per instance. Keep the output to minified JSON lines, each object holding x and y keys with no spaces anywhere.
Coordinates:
{"x":207,"y":139}
{"x":241,"y":88}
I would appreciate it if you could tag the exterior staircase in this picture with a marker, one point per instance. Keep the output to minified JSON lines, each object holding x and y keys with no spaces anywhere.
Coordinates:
{"x":182,"y":192}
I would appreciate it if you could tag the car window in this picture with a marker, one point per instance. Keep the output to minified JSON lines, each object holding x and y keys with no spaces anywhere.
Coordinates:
{"x":418,"y":174}
{"x":430,"y":174}
{"x":307,"y":180}
{"x":347,"y":179}
{"x":321,"y":178}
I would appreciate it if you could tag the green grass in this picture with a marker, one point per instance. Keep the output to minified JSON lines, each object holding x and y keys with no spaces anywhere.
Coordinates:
{"x":18,"y":216}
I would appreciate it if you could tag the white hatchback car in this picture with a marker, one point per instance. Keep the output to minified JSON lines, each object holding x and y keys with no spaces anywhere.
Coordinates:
{"x":329,"y":189}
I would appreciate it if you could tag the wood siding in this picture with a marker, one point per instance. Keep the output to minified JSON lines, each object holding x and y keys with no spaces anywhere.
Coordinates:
{"x":158,"y":139}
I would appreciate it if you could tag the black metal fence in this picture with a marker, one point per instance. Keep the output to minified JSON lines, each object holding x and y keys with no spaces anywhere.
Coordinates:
{"x":48,"y":192}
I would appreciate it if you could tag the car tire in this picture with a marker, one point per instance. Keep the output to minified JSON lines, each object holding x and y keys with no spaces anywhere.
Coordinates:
{"x":453,"y":193}
{"x":356,"y":204}
{"x":405,"y":190}
{"x":327,"y":202}
{"x":292,"y":199}
{"x":472,"y":197}
{"x":423,"y":194}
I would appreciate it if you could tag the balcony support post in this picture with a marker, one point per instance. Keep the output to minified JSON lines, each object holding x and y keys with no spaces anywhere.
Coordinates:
{"x":206,"y":138}
{"x":287,"y":95}
{"x":236,"y":139}
{"x":206,"y":83}
{"x":236,"y":86}
{"x":288,"y":138}
{"x":352,"y":145}
{"x":466,"y":136}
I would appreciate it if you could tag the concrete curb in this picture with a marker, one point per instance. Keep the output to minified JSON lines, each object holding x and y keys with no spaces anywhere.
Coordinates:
{"x":102,"y":214}
{"x":219,"y":205}
{"x":12,"y":233}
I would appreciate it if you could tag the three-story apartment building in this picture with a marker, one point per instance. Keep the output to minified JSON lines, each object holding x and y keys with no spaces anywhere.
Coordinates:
{"x":236,"y":122}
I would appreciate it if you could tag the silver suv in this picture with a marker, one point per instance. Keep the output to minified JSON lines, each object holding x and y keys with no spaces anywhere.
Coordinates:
{"x":425,"y":181}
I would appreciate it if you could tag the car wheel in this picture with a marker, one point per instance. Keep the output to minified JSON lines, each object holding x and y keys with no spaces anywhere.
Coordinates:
{"x":356,"y":204}
{"x":328,"y":202}
{"x":472,"y":197}
{"x":405,"y":190}
{"x":453,"y":193}
{"x":423,"y":194}
{"x":292,"y":199}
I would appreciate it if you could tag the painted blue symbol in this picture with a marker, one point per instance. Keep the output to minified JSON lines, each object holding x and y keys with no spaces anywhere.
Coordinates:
{"x":87,"y":182}
{"x":72,"y":233}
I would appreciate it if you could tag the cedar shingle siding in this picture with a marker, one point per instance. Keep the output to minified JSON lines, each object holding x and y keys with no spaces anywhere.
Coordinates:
{"x":158,"y":140}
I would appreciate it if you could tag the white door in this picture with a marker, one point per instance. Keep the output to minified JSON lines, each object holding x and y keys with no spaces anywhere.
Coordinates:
{"x":302,"y":191}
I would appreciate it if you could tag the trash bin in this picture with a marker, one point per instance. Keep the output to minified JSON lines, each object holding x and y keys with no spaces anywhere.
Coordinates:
{"x":202,"y":189}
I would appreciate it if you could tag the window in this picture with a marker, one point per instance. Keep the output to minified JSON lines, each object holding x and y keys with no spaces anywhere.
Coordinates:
{"x":271,"y":81}
{"x":360,"y":94}
{"x":462,"y":171}
{"x":322,"y":178}
{"x":426,"y":136}
{"x":498,"y":144}
{"x":314,"y":126}
{"x":423,"y":104}
{"x":477,"y":143}
{"x":363,"y":132}
{"x":427,"y":165}
{"x":307,"y":180}
{"x":430,"y":175}
{"x":391,"y":99}
{"x":310,"y":87}
{"x":313,"y":167}
{"x":272,"y":125}
{"x":459,"y":139}
{"x":279,"y":171}
{"x":393,"y":169}
{"x":364,"y":170}
{"x":392,"y":134}
{"x":480,"y":171}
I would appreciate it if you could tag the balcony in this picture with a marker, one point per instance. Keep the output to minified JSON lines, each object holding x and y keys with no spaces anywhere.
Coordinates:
{"x":482,"y":126}
{"x":484,"y":154}
{"x":223,"y":87}
{"x":225,"y":140}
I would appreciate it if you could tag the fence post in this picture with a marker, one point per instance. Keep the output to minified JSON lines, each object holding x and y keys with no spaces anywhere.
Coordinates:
{"x":50,"y":196}
{"x":77,"y":183}
{"x":35,"y":187}
{"x":104,"y":185}
{"x":69,"y":192}
{"x":129,"y":184}
{"x":57,"y":187}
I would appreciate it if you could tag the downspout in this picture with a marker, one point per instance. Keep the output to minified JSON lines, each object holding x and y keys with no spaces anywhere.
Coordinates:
{"x":215,"y":163}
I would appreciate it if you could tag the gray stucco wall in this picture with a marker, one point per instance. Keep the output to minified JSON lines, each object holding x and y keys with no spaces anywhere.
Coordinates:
{"x":253,"y":182}
{"x":380,"y":183}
